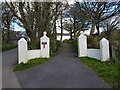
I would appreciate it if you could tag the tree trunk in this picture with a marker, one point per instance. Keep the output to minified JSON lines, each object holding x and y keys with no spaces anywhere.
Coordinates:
{"x":97,"y":27}
{"x":54,"y":29}
{"x":61,"y":27}
{"x":70,"y":33}
{"x":8,"y":34}
{"x":93,"y":28}
{"x":3,"y":34}
{"x":74,"y":26}
{"x":55,"y":32}
{"x":33,"y":41}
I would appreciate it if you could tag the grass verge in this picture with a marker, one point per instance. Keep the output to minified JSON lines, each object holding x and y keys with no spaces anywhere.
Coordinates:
{"x":31,"y":63}
{"x":6,"y":47}
{"x":108,"y":71}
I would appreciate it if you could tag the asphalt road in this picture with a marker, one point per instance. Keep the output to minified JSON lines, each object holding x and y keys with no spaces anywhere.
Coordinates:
{"x":9,"y":60}
{"x":64,"y":70}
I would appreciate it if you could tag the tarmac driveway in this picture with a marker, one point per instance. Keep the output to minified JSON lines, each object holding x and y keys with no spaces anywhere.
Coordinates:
{"x":64,"y":70}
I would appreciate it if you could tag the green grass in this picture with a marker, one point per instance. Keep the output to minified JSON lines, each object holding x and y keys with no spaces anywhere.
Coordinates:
{"x":31,"y":63}
{"x":108,"y":71}
{"x":6,"y":47}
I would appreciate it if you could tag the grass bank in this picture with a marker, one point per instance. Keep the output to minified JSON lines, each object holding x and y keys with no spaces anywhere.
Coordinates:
{"x":31,"y":63}
{"x":6,"y":47}
{"x":108,"y":71}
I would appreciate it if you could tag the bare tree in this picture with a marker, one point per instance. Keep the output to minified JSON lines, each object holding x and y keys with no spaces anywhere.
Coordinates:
{"x":110,"y":26}
{"x":6,"y":21}
{"x":97,"y":12}
{"x":35,"y":17}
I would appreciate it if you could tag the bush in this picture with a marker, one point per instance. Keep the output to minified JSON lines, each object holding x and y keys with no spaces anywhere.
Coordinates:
{"x":93,"y":42}
{"x":54,"y":45}
{"x":6,"y":47}
{"x":117,"y":55}
{"x":74,"y":45}
{"x":65,"y":41}
{"x":36,"y":45}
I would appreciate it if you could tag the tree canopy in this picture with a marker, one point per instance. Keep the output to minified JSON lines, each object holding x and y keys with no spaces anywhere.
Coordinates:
{"x":95,"y":12}
{"x":37,"y":17}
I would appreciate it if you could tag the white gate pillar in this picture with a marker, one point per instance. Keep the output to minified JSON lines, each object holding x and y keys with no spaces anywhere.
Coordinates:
{"x":22,"y":51}
{"x":104,"y":47}
{"x":82,"y":45}
{"x":45,"y":46}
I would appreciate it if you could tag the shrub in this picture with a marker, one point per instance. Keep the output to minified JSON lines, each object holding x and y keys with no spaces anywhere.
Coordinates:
{"x":54,"y":45}
{"x":36,"y":45}
{"x":93,"y":42}
{"x":65,"y":41}
{"x":74,"y":45}
{"x":117,"y":55}
{"x":6,"y":47}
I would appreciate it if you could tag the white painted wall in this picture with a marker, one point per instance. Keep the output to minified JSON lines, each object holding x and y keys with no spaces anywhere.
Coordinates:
{"x":100,"y":54}
{"x":94,"y":53}
{"x":33,"y":54}
{"x":24,"y":54}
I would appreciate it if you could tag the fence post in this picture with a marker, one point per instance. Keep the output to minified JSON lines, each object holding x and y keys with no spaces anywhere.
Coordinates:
{"x":22,"y":51}
{"x":104,"y":47}
{"x":82,"y":45}
{"x":45,"y":46}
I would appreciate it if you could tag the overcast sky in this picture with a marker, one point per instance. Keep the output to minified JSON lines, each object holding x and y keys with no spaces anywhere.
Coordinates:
{"x":18,"y":28}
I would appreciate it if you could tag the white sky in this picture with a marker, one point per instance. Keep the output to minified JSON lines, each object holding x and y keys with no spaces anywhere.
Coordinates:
{"x":18,"y":28}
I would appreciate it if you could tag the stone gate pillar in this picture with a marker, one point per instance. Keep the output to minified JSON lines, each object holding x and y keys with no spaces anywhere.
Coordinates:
{"x":22,"y":51}
{"x":82,"y":45}
{"x":104,"y":47}
{"x":45,"y":46}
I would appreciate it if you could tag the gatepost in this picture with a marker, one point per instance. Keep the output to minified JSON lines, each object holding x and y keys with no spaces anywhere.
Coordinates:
{"x":82,"y":45}
{"x":22,"y":51}
{"x":104,"y":47}
{"x":45,"y":46}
